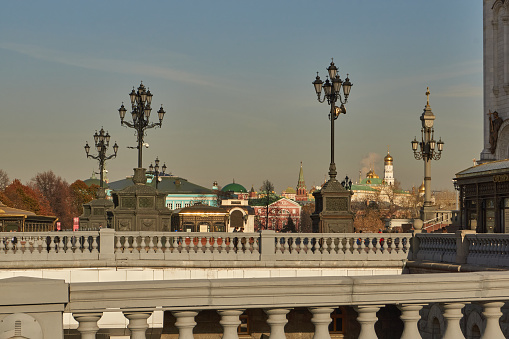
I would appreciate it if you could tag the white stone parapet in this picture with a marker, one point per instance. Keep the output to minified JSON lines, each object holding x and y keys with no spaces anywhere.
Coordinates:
{"x":230,"y":297}
{"x":108,"y":248}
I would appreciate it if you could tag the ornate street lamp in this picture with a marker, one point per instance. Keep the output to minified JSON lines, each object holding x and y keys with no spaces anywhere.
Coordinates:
{"x":332,"y":93}
{"x":102,"y":142}
{"x":427,"y":149}
{"x":154,"y":170}
{"x":140,"y":114}
{"x":347,"y":183}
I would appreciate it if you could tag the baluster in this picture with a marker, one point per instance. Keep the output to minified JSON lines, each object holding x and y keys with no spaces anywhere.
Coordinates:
{"x":200,"y":244}
{"x":10,"y":246}
{"x":370,"y":245}
{"x":52,"y":245}
{"x":294,"y":245}
{"x":175,"y":244}
{"x":393,"y":245}
{"x":137,"y":323}
{"x":277,"y":321}
{"x":151,"y":246}
{"x":410,"y":316}
{"x":347,"y":246}
{"x":363,"y":245}
{"x":68,"y":244}
{"x":215,"y":245}
{"x":223,"y":244}
{"x":166,"y":247}
{"x":143,"y":244}
{"x":367,"y":318}
{"x":378,"y":244}
{"x":118,"y":244}
{"x":94,"y":244}
{"x":207,"y":244}
{"x":230,"y":321}
{"x":286,"y":246}
{"x":355,"y":245}
{"x":278,"y":244}
{"x":191,"y":247}
{"x":87,"y":324}
{"x":453,"y":315}
{"x":492,"y":314}
{"x":256,"y":247}
{"x":321,"y":319}
{"x":61,"y":245}
{"x":40,"y":245}
{"x":185,"y":323}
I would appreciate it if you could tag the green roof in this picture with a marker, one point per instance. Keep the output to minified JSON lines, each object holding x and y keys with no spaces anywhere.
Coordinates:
{"x":235,"y":188}
{"x":372,"y":181}
{"x":170,"y":184}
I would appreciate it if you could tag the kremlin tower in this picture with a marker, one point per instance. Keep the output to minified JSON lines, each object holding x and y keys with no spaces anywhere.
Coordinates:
{"x":302,"y":194}
{"x":388,"y":169}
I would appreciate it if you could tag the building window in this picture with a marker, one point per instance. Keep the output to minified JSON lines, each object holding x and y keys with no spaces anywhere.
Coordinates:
{"x":178,"y":205}
{"x":336,"y":325}
{"x":169,"y":205}
{"x":186,"y":205}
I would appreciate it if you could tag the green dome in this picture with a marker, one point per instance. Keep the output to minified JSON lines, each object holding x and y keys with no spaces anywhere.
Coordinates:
{"x":235,"y":188}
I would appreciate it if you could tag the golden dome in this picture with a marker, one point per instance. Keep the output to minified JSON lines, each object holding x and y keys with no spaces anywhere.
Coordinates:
{"x":421,"y":188}
{"x":372,"y":175}
{"x":388,"y":158}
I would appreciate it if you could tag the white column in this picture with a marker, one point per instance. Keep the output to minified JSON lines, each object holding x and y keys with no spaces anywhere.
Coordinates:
{"x":87,"y":324}
{"x":367,"y":318}
{"x":185,"y":323}
{"x":230,"y":322}
{"x":453,"y":315}
{"x":495,"y":57}
{"x":410,"y":316}
{"x":321,"y":319}
{"x":493,"y":314}
{"x":137,"y":323}
{"x":277,"y":321}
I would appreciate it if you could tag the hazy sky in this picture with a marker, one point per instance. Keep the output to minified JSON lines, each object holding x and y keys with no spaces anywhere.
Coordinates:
{"x":235,"y":80}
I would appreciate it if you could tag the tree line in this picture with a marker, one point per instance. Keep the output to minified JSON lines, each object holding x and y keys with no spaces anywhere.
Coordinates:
{"x":47,"y":194}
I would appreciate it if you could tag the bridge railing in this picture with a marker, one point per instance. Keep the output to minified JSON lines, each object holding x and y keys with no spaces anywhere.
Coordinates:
{"x":463,"y":247}
{"x":457,"y":305}
{"x":172,"y":246}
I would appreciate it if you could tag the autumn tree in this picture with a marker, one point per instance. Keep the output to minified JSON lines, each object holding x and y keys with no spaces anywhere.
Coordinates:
{"x":58,"y":193}
{"x":4,"y":180}
{"x":81,"y":194}
{"x":368,"y":220}
{"x":306,"y":224}
{"x":27,"y":198}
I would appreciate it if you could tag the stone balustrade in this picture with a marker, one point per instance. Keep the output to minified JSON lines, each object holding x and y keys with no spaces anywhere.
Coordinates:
{"x":463,"y":247}
{"x":168,"y":247}
{"x":443,"y":296}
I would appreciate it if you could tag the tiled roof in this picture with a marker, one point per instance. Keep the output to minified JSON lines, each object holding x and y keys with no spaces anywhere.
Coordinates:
{"x":485,"y":168}
{"x":172,"y":185}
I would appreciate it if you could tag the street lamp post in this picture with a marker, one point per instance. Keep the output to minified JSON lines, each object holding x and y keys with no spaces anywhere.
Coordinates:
{"x":333,"y":213}
{"x":102,"y":142}
{"x":427,"y":149}
{"x":140,"y":113}
{"x":332,"y":93}
{"x":154,"y":170}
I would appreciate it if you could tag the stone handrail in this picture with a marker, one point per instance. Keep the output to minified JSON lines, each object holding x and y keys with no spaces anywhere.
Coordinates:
{"x":230,"y":297}
{"x":463,"y":247}
{"x":107,"y":244}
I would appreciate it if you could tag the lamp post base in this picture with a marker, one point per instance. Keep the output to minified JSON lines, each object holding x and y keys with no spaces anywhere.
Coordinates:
{"x":333,"y":213}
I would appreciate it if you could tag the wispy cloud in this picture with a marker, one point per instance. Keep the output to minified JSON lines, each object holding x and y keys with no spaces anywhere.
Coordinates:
{"x":108,"y":65}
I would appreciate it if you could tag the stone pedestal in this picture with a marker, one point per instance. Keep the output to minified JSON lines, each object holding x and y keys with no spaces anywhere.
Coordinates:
{"x":140,"y":207}
{"x":97,"y":213}
{"x":333,"y":213}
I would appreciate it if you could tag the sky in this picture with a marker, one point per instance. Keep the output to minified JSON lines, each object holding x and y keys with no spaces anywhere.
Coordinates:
{"x":235,"y":79}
